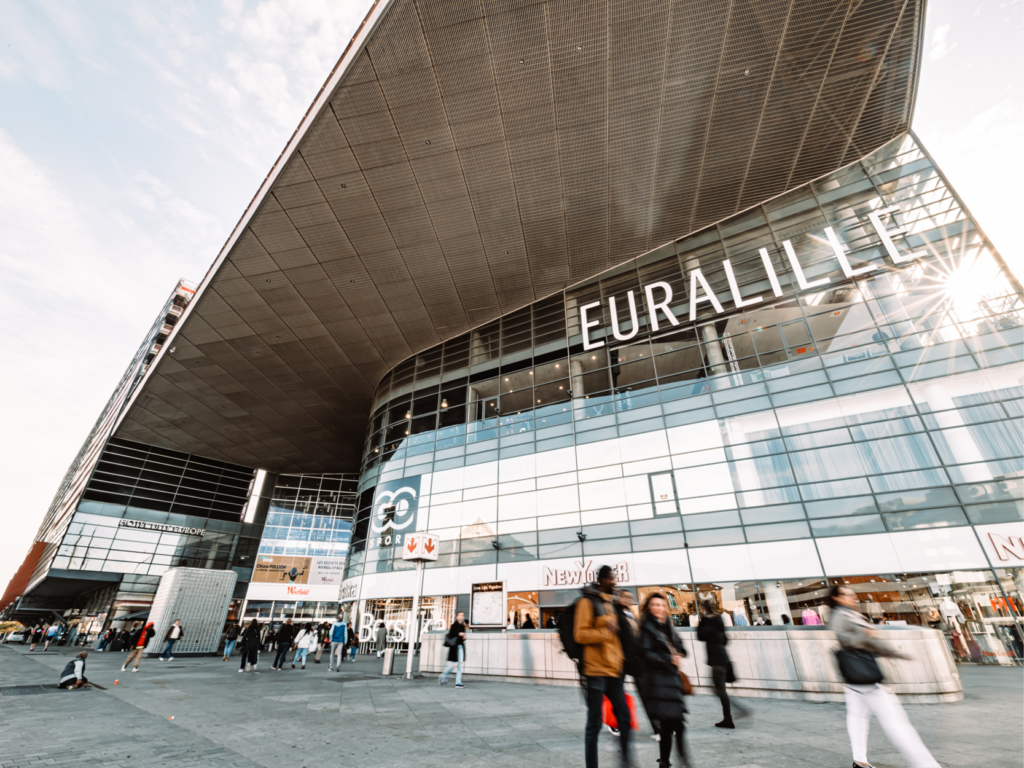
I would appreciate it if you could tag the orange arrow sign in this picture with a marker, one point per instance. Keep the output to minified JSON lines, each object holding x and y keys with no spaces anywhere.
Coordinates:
{"x":429,"y":546}
{"x":412,"y":544}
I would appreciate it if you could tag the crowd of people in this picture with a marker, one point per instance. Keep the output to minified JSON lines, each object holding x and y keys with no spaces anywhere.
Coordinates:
{"x":609,"y":643}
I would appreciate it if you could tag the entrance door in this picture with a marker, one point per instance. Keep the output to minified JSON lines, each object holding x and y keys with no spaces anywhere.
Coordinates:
{"x":663,"y":492}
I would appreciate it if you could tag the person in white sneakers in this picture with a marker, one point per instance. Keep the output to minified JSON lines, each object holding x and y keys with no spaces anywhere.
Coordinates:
{"x":338,"y":634}
{"x":305,"y":640}
{"x":174,"y":634}
{"x":137,"y":641}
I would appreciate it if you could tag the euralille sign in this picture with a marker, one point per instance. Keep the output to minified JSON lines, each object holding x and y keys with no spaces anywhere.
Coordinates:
{"x":163,"y":528}
{"x":658,"y":295}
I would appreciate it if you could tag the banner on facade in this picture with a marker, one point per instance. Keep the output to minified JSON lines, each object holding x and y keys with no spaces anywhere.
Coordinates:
{"x":291,"y":570}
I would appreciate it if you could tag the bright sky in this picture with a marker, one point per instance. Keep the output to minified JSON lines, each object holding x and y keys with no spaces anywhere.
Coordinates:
{"x":133,"y":135}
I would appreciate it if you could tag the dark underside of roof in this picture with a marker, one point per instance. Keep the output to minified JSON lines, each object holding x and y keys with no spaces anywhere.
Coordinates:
{"x":477,"y":156}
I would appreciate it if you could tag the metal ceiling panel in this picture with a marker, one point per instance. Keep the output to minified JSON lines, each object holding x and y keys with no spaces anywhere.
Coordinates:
{"x":465,"y":159}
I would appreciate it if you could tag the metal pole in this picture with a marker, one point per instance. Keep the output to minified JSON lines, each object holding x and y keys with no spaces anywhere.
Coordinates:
{"x":414,"y":630}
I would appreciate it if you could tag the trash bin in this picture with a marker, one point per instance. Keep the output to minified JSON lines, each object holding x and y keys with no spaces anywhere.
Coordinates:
{"x":389,"y":662}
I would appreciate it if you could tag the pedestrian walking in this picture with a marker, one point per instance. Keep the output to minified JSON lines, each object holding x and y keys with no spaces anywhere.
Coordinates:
{"x":864,"y":695}
{"x":37,"y":636}
{"x":381,"y":640}
{"x":250,"y":647}
{"x":173,"y":635}
{"x":661,"y":683}
{"x":321,"y":639}
{"x":51,"y":635}
{"x":73,"y":675}
{"x":231,"y":639}
{"x":338,"y":635}
{"x":353,"y":642}
{"x":285,"y":636}
{"x":302,"y":643}
{"x":138,"y":641}
{"x":711,"y":631}
{"x":596,"y":629}
{"x":267,"y":637}
{"x":455,"y":640}
{"x":629,"y":635}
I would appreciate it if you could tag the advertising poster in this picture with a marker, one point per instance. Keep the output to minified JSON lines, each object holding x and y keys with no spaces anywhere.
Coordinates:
{"x":281,"y":577}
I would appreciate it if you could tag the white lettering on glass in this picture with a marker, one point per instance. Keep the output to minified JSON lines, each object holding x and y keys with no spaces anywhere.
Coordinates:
{"x":798,"y":270}
{"x":653,"y":306}
{"x":886,"y":235}
{"x":697,"y":279}
{"x":588,"y":324}
{"x":632,"y":318}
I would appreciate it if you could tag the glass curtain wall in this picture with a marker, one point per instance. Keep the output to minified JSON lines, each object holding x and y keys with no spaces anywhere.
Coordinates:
{"x":877,"y":392}
{"x":310,"y":515}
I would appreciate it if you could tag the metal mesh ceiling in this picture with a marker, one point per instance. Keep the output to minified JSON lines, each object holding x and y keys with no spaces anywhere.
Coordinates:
{"x":475,"y":156}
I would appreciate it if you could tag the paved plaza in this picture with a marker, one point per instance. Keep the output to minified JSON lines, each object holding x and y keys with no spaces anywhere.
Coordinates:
{"x":312,"y":717}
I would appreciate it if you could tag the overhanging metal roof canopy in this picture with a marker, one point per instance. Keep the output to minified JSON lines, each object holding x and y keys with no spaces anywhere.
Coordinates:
{"x":466,"y":158}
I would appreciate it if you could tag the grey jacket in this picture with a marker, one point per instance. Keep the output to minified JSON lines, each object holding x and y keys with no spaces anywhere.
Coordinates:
{"x":853,"y":632}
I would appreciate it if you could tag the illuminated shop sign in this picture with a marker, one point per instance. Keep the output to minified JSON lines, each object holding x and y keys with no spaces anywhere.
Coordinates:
{"x":658,"y":296}
{"x":162,"y":527}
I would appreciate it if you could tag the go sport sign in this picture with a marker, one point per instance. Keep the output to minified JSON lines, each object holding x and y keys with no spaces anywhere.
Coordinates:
{"x":395,"y":507}
{"x":659,"y":295}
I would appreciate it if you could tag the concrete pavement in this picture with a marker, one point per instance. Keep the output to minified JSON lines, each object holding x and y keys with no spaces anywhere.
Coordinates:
{"x":310,"y":717}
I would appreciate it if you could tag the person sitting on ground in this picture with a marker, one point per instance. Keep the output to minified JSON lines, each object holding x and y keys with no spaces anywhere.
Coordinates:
{"x":73,"y":675}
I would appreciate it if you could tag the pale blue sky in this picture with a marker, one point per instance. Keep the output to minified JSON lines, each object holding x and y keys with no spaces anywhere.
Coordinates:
{"x":133,"y":134}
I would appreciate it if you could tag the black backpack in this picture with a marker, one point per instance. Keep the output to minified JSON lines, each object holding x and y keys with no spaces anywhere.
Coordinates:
{"x":567,"y":627}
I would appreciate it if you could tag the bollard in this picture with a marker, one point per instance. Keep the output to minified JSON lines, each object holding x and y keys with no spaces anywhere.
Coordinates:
{"x":389,"y":661}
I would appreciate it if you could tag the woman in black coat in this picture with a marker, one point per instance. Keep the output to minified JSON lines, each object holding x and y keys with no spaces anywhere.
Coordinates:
{"x":250,"y":642}
{"x":662,"y":652}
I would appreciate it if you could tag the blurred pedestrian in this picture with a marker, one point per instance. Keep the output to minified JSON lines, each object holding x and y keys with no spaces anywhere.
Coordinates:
{"x":862,"y":642}
{"x":138,"y":641}
{"x":321,"y":639}
{"x":231,"y":639}
{"x":455,"y":640}
{"x":51,"y":635}
{"x":338,"y":637}
{"x":105,"y":640}
{"x":250,"y":647}
{"x":596,"y":629}
{"x":175,"y":633}
{"x":661,"y":685}
{"x":37,"y":636}
{"x":285,"y":636}
{"x":302,"y":643}
{"x":711,"y":631}
{"x":381,"y":639}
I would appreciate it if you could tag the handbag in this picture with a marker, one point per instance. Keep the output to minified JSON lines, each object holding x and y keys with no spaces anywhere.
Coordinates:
{"x":730,"y":674}
{"x":450,"y":641}
{"x":858,"y":667}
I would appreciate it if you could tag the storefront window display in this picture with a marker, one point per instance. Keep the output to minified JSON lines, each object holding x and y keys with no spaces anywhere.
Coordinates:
{"x":396,"y":614}
{"x":524,"y":610}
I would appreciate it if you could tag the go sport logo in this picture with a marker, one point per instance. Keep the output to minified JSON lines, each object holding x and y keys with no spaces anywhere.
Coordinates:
{"x":394,"y":512}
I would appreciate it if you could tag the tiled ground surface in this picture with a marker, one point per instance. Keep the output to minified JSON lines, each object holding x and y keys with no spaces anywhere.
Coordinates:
{"x":311,"y":717}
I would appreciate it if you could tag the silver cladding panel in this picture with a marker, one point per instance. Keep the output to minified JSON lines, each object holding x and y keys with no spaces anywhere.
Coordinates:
{"x":200,"y":599}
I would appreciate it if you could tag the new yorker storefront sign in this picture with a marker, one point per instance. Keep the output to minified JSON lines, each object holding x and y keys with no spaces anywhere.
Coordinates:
{"x":162,"y":527}
{"x":582,"y":573}
{"x":658,"y":296}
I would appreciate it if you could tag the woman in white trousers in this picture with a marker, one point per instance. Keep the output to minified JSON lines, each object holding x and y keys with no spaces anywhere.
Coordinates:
{"x":862,"y":701}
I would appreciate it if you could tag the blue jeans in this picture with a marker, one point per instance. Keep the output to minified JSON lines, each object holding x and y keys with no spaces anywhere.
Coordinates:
{"x":456,"y":665}
{"x":282,"y":654}
{"x":229,"y":648}
{"x":168,"y":649}
{"x":354,"y":649}
{"x":597,"y":689}
{"x":300,"y":656}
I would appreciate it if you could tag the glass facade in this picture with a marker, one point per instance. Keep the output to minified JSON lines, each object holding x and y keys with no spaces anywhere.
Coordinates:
{"x":874,"y":389}
{"x":310,"y":515}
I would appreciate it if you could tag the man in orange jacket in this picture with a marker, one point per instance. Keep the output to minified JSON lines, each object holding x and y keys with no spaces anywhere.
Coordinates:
{"x":596,"y":628}
{"x":138,"y":641}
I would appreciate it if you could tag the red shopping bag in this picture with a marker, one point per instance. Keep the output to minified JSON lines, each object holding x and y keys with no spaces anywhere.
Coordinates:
{"x":608,"y":714}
